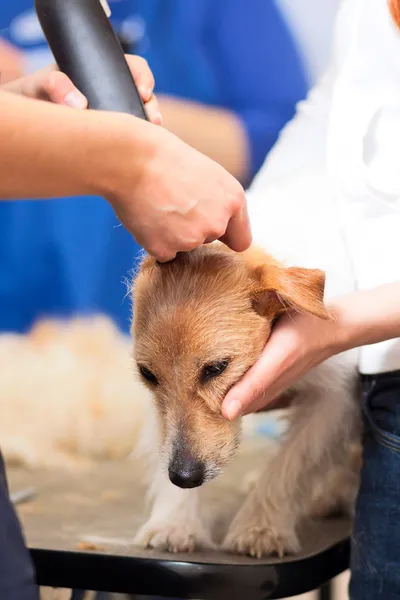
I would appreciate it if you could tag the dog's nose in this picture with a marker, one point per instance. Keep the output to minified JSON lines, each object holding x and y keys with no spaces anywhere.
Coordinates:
{"x":187,"y":473}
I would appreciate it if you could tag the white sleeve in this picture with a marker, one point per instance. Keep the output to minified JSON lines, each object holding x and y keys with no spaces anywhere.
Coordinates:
{"x":301,"y":146}
{"x":292,"y":211}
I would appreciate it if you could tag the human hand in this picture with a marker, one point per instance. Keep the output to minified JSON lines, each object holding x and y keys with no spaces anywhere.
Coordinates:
{"x":11,"y":62}
{"x":52,"y":85}
{"x":298,"y":343}
{"x":179,"y":198}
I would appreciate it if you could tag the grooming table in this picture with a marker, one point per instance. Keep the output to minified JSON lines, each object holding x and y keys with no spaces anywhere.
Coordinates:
{"x":108,"y":501}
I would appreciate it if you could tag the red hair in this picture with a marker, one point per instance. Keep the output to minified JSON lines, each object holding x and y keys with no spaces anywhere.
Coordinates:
{"x":395,"y":10}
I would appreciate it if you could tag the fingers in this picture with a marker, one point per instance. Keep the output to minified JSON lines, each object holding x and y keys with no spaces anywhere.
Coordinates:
{"x":144,"y":80}
{"x":245,"y":396}
{"x":59,"y":89}
{"x":153,"y":111}
{"x":142,"y":75}
{"x":262,"y":383}
{"x":50,"y":84}
{"x":238,"y":233}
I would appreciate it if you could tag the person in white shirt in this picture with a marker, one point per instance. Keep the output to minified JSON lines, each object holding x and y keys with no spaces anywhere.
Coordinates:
{"x":341,"y":153}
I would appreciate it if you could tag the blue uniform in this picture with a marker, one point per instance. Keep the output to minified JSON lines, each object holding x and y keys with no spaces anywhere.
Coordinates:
{"x":71,"y":255}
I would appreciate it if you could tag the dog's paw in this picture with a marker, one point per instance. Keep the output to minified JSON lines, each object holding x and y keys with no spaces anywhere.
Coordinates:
{"x":170,"y":537}
{"x":258,"y":534}
{"x":261,"y":540}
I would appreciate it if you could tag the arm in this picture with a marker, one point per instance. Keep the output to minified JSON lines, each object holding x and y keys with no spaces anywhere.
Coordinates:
{"x":170,"y":197}
{"x":48,"y":151}
{"x":300,"y":342}
{"x":260,"y":79}
{"x":49,"y":175}
{"x":365,"y":318}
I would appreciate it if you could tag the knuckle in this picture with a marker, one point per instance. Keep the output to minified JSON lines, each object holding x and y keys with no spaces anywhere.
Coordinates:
{"x":190,"y":243}
{"x":160,"y":252}
{"x":238,"y":199}
{"x":164,"y":257}
{"x":217,"y":231}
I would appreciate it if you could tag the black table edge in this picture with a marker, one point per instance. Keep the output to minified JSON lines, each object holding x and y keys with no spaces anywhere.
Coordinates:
{"x":180,"y":579}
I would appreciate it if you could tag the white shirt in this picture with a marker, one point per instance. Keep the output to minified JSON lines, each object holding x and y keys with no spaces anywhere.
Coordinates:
{"x":331,"y":187}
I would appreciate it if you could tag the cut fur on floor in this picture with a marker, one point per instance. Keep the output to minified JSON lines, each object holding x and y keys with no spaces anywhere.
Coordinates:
{"x":68,"y":395}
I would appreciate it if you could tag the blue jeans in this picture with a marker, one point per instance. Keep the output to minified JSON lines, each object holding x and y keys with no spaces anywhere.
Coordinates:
{"x":17,"y":579}
{"x":375,"y":562}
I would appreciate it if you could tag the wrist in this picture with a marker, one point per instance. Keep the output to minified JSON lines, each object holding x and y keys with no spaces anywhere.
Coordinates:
{"x":343,"y":330}
{"x":120,"y":147}
{"x":365,"y":317}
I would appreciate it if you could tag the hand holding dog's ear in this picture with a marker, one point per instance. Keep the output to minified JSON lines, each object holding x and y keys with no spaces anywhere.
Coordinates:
{"x":299,"y":341}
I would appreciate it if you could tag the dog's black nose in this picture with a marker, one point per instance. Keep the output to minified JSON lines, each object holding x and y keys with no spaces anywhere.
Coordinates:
{"x":187,"y":473}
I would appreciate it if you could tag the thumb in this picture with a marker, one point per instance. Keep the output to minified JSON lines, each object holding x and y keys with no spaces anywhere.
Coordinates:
{"x":260,"y":384}
{"x":238,"y":234}
{"x":251,"y":393}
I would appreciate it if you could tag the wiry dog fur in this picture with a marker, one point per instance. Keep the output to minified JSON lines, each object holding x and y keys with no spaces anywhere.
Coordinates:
{"x":212,"y":310}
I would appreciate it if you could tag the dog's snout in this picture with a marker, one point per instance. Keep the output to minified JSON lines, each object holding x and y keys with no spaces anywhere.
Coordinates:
{"x":186,"y":472}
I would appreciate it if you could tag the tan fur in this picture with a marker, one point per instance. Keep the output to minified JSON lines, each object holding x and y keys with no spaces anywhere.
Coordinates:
{"x":212,"y":304}
{"x":68,"y":395}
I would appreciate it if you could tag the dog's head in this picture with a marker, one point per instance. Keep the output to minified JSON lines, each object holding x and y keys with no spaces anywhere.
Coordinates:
{"x":200,"y":322}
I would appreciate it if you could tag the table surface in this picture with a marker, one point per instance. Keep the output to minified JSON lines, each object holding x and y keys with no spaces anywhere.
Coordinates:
{"x":108,"y":501}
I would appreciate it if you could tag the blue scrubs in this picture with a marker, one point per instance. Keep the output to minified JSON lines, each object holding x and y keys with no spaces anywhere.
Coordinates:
{"x":71,"y":256}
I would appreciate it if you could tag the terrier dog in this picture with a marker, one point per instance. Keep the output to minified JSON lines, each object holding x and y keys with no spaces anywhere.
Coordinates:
{"x":200,"y":322}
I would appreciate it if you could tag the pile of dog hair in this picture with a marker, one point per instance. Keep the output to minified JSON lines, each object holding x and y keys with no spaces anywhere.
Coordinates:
{"x":68,"y":395}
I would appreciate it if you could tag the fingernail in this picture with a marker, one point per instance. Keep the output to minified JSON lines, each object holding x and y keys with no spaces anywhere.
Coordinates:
{"x":233,"y":410}
{"x":145,"y":93}
{"x":158,"y":120}
{"x":75,"y":99}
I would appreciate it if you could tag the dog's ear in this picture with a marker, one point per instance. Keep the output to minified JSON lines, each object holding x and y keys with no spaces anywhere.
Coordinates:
{"x":280,"y":289}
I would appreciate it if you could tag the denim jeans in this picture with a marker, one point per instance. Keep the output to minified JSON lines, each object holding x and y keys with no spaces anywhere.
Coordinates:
{"x":17,"y":579}
{"x":375,"y":562}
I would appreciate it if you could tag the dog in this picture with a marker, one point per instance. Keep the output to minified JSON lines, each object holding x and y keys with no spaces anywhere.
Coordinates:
{"x":200,"y":322}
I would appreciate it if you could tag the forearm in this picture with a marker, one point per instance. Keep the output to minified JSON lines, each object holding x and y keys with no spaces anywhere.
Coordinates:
{"x":366,"y":317}
{"x":216,"y":132}
{"x":51,"y":151}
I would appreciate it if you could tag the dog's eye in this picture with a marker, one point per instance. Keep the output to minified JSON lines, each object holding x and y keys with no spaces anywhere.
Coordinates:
{"x":148,"y":375}
{"x":214,"y":369}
